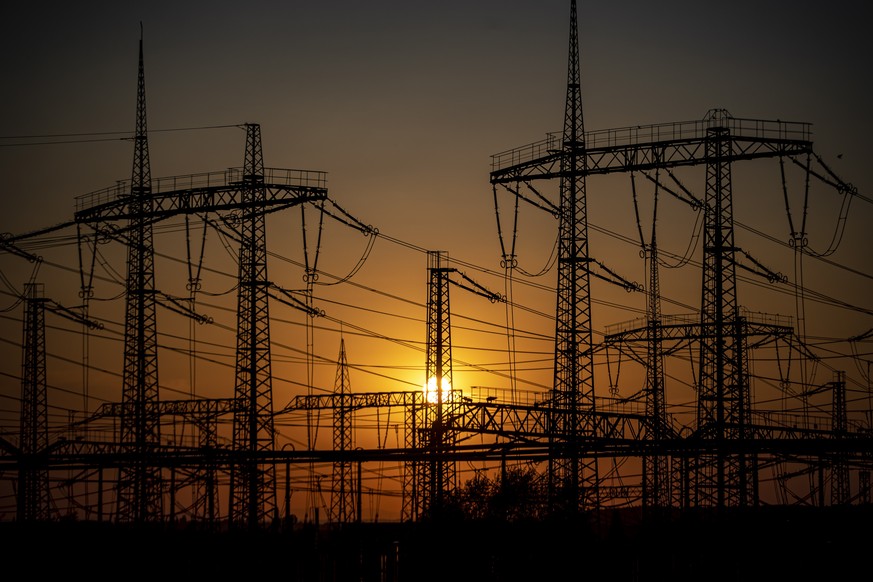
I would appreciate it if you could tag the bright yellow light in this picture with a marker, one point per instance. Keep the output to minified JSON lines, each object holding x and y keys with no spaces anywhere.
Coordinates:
{"x":430,"y":390}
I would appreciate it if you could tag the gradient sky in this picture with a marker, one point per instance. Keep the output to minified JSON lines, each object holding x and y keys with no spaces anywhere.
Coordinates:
{"x":403,"y":103}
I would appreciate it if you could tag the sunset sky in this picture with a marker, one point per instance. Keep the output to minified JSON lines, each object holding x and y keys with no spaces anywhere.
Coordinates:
{"x":402,"y":103}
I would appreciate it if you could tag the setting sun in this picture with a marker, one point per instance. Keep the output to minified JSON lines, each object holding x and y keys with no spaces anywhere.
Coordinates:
{"x":430,"y":390}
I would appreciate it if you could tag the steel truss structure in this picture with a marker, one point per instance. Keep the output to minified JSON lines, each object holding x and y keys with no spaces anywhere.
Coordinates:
{"x":716,"y":142}
{"x":571,"y":430}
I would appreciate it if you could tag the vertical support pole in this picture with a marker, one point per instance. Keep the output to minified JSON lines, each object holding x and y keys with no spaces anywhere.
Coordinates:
{"x":439,"y":471}
{"x":206,"y":484}
{"x":723,"y":408}
{"x":140,"y":479}
{"x":253,"y":485}
{"x":412,"y":469}
{"x":33,"y":483}
{"x":656,"y":491}
{"x":358,"y":491}
{"x":288,"y":493}
{"x":573,"y":479}
{"x":342,"y":496}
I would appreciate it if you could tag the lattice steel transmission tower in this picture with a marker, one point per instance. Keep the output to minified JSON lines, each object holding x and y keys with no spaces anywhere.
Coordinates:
{"x":248,"y":193}
{"x":343,"y":499}
{"x":433,"y":425}
{"x":34,"y":499}
{"x":438,"y":474}
{"x":723,"y":404}
{"x":139,"y":495}
{"x":241,"y":197}
{"x":253,"y":484}
{"x":656,"y":467}
{"x":573,"y":480}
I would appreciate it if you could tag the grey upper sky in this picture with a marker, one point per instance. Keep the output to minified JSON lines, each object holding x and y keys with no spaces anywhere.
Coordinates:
{"x":408,"y":98}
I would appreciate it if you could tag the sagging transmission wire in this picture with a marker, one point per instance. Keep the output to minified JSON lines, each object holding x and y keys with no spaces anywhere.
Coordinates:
{"x":845,"y":189}
{"x":688,"y":198}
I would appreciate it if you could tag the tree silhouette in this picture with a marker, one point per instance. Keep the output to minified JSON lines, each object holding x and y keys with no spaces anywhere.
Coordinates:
{"x":513,"y":494}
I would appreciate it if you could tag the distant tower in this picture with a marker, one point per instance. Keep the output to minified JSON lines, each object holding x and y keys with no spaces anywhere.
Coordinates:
{"x":253,"y":484}
{"x":140,"y":480}
{"x":206,"y":485}
{"x":343,"y":499}
{"x":33,"y":484}
{"x":839,"y":464}
{"x":656,"y":468}
{"x":573,"y":481}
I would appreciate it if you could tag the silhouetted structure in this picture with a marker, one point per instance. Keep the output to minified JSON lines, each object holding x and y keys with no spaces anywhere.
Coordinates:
{"x":251,"y":191}
{"x":140,"y":496}
{"x":33,"y":479}
{"x":573,"y":479}
{"x":714,"y":464}
{"x":252,"y":484}
{"x":719,"y":474}
{"x":343,"y":506}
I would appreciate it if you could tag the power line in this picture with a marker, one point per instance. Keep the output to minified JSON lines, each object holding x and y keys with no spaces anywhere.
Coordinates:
{"x":91,"y":136}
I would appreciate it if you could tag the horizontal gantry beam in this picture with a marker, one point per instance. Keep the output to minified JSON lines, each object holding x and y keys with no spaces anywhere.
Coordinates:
{"x":355,"y":401}
{"x":694,"y":331}
{"x":90,"y":455}
{"x":196,"y":408}
{"x":201,"y":193}
{"x":654,"y":146}
{"x":525,"y":426}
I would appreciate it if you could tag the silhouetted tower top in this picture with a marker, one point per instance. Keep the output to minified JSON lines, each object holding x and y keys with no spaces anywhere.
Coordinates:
{"x":342,"y":385}
{"x":253,"y":166}
{"x":141,"y":177}
{"x":574,"y":128}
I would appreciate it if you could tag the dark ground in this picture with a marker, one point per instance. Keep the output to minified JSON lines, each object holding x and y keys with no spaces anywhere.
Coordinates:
{"x":771,"y":543}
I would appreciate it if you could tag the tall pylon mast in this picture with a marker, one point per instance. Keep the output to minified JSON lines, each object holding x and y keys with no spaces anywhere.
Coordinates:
{"x":723,"y":407}
{"x":33,"y":483}
{"x":140,"y":481}
{"x":572,"y":479}
{"x":253,"y":485}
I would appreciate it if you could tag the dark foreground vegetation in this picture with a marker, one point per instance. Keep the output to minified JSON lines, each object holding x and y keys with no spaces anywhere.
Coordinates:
{"x":770,"y":543}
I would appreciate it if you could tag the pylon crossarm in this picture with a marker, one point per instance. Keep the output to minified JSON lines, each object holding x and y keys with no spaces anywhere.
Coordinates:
{"x":638,"y":148}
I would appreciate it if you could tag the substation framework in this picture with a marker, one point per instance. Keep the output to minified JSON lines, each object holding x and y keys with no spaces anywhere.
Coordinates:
{"x":136,"y":475}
